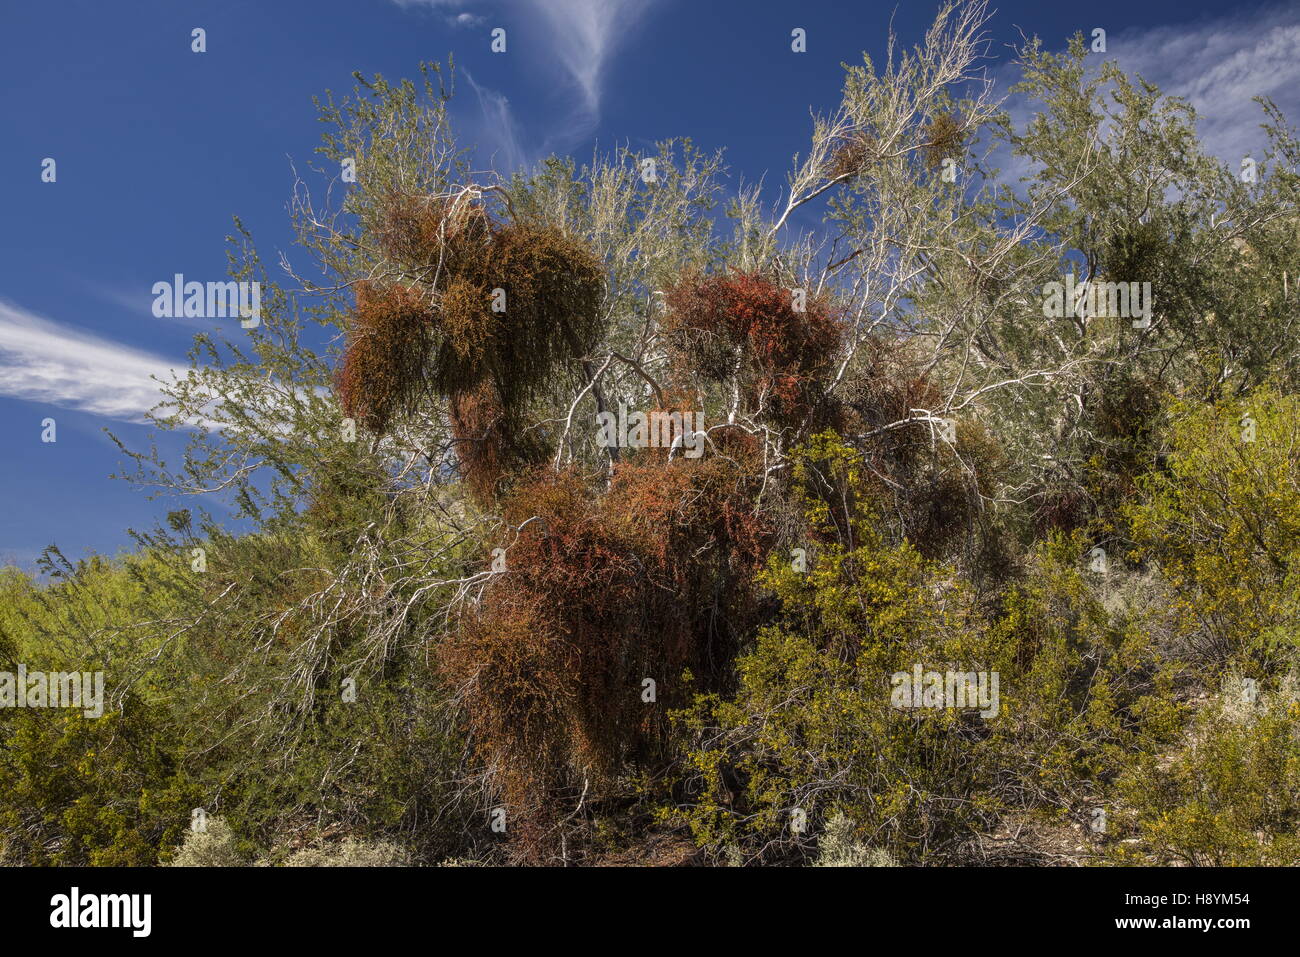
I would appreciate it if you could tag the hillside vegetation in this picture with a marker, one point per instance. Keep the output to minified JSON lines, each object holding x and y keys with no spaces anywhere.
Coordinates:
{"x":478,"y":613}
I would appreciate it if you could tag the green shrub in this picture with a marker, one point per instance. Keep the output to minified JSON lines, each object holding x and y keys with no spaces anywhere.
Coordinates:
{"x":1222,"y":521}
{"x":811,"y":727}
{"x":1229,"y":797}
{"x":92,"y":791}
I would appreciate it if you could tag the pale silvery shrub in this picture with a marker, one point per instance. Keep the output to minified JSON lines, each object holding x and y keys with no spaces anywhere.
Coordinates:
{"x":350,"y":853}
{"x":838,"y":848}
{"x":213,"y":847}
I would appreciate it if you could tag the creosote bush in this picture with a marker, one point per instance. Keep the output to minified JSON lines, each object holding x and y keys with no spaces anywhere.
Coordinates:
{"x":810,"y":724}
{"x":1229,"y":797}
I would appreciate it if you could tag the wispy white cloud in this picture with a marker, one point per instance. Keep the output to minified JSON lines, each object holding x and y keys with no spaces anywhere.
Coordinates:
{"x":466,"y":20}
{"x":499,"y":136}
{"x":1219,"y":65}
{"x":136,"y":300}
{"x":582,"y":34}
{"x":45,"y":361}
{"x":581,"y":37}
{"x":585,"y":34}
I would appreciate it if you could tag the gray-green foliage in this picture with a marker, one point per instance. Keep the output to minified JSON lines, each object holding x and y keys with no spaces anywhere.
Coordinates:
{"x":216,"y":846}
{"x":350,"y":853}
{"x":839,"y":847}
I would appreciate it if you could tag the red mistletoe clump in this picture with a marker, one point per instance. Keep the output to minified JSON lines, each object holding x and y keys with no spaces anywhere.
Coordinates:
{"x":414,"y":231}
{"x":490,"y":446}
{"x":482,"y":309}
{"x":388,"y":345}
{"x":601,"y":590}
{"x":774,"y":342}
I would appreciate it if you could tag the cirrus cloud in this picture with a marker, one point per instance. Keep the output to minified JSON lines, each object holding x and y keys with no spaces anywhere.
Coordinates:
{"x":581,"y":35}
{"x":46,"y":361}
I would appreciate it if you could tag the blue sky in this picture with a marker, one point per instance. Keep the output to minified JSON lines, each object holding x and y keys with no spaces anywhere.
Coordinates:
{"x":157,"y":147}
